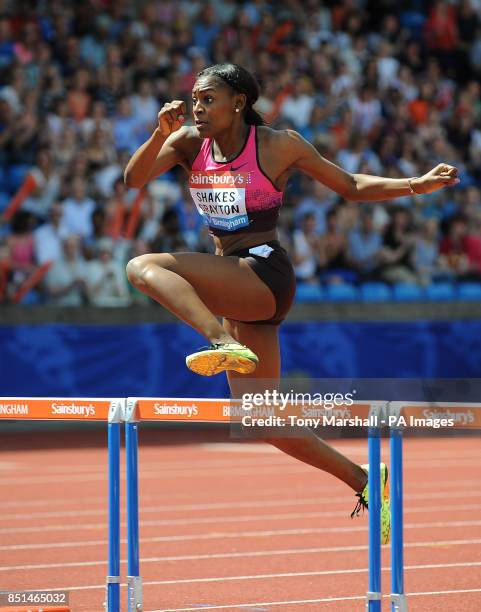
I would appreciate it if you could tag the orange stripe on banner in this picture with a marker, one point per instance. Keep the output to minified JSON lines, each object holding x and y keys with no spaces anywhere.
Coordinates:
{"x":134,"y":218}
{"x":35,"y":609}
{"x":26,"y":188}
{"x":34,"y":408}
{"x":32,"y":281}
{"x":228,"y":411}
{"x":182,"y":409}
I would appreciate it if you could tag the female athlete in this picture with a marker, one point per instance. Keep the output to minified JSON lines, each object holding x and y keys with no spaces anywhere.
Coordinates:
{"x":238,"y":168}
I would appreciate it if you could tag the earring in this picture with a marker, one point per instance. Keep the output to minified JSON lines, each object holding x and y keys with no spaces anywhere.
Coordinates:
{"x":236,"y":110}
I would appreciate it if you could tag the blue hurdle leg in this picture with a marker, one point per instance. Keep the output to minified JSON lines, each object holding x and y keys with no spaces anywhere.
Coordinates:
{"x":398,"y":598}
{"x":373,"y":602}
{"x":134,"y":583}
{"x":113,"y":579}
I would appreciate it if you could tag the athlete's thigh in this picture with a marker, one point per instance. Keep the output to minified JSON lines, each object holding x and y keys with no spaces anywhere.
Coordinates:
{"x":264,"y":341}
{"x":227,"y":285}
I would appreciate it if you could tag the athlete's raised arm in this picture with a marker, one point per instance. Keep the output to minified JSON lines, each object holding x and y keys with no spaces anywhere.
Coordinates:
{"x":305,"y":157}
{"x":163,"y":150}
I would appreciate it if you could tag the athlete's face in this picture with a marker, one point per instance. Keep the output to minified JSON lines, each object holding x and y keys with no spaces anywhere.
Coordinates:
{"x":214,"y":106}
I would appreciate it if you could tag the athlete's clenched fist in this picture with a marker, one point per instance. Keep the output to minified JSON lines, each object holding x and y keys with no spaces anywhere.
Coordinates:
{"x":171,"y":117}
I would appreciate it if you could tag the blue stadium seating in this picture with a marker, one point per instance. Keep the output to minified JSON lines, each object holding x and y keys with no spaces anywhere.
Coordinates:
{"x":306,"y":293}
{"x":469,"y":292}
{"x":16,"y":175}
{"x":375,"y":292}
{"x":407,"y":292}
{"x":342,"y":293}
{"x":4,"y":200}
{"x":32,"y":298}
{"x":439,"y":292}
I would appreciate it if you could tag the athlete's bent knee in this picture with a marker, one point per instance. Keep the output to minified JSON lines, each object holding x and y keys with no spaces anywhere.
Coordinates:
{"x":136,"y":270}
{"x":141,"y":269}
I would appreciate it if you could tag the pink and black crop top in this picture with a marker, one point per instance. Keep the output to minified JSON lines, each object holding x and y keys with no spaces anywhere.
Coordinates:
{"x":234,"y":196}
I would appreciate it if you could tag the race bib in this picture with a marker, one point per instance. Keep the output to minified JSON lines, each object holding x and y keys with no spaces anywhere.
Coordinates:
{"x":220,"y":197}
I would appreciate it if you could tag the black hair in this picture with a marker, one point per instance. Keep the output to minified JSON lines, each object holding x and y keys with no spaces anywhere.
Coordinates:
{"x":22,"y":222}
{"x":241,"y":81}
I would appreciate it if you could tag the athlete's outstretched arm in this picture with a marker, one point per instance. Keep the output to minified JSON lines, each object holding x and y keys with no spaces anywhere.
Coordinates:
{"x":162,"y":151}
{"x":363,"y":187}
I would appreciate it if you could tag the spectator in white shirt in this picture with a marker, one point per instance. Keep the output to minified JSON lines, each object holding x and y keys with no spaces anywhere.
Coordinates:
{"x":65,"y":281}
{"x":48,"y":237}
{"x":126,"y":127}
{"x":367,"y":110}
{"x":298,"y":106}
{"x":144,"y":104}
{"x":106,"y":280}
{"x":48,"y":181}
{"x":78,"y":209}
{"x":387,"y":64}
{"x":306,"y":248}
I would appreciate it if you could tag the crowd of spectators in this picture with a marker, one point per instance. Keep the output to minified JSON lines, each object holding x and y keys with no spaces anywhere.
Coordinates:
{"x":380,"y":87}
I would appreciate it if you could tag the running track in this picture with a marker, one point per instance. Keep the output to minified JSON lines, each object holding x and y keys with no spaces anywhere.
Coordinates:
{"x":229,"y":526}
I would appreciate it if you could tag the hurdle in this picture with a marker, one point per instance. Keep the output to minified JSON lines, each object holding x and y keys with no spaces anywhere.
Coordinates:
{"x":166,"y":410}
{"x":109,"y":410}
{"x":374,"y":593}
{"x":382,"y":411}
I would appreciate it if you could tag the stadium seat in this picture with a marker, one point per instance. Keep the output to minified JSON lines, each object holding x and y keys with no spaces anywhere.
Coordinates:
{"x":3,"y":177}
{"x":4,"y":200}
{"x":32,"y":298}
{"x":440,"y":292}
{"x":469,"y":292}
{"x":407,"y":292}
{"x":413,"y":20}
{"x":16,"y":175}
{"x":375,"y":292}
{"x":306,"y":292}
{"x":342,"y":293}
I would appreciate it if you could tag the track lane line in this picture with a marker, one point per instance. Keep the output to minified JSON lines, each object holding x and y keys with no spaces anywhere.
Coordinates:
{"x":237,"y":555}
{"x":347,"y":571}
{"x":243,"y":518}
{"x":242,"y":534}
{"x":311,"y":601}
{"x":321,"y":501}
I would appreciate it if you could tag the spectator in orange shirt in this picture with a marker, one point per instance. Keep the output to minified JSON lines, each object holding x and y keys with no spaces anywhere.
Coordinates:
{"x":420,"y":107}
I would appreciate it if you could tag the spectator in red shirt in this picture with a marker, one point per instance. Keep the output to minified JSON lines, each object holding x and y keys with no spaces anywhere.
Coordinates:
{"x":441,"y":32}
{"x":462,"y":250}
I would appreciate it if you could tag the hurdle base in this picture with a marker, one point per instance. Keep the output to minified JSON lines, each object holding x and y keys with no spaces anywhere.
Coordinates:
{"x":372,"y":596}
{"x":110,"y":580}
{"x":398,"y":602}
{"x":134,"y":590}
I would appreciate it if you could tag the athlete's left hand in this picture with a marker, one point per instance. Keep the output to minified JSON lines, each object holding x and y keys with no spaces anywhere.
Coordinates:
{"x":441,"y":176}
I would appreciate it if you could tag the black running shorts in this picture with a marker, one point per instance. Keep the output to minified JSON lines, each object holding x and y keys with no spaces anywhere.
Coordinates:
{"x":276,"y":271}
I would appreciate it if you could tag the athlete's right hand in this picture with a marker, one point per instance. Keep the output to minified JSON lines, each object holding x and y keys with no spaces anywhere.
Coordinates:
{"x":171,"y":117}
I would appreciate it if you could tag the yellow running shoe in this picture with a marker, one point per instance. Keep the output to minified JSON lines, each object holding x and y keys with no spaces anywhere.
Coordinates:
{"x":385,"y":502}
{"x":217,"y":358}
